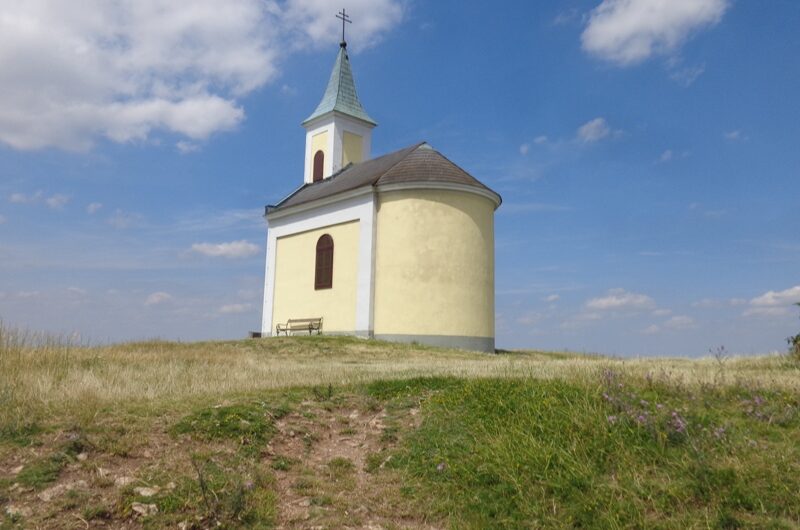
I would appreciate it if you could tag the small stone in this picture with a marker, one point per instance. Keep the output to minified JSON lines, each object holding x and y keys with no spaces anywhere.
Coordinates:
{"x":353,"y":415}
{"x":82,"y":457}
{"x":304,"y":503}
{"x":18,"y":511}
{"x":171,"y":486}
{"x":17,"y":470}
{"x":101,"y":472}
{"x":144,"y":509}
{"x":121,"y":482}
{"x":146,"y":492}
{"x":147,"y":454}
{"x":58,"y":490}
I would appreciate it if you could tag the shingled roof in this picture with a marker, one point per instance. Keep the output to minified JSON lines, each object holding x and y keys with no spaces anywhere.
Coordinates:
{"x":416,"y":163}
{"x":340,"y":94}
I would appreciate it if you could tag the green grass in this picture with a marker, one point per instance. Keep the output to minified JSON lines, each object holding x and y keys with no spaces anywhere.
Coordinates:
{"x":247,"y":424}
{"x":528,"y":453}
{"x":440,"y":438}
{"x":45,"y":470}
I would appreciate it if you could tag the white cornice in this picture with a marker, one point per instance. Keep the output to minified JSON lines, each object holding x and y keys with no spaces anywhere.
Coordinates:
{"x":331,"y":114}
{"x":398,"y":186}
{"x":292,"y":210}
{"x":451,"y":186}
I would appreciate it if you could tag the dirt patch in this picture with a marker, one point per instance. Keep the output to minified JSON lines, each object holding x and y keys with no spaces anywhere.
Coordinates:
{"x":325,"y":459}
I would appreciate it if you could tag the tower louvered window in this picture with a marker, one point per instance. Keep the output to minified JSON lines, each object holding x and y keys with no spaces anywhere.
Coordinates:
{"x":323,"y":276}
{"x":319,"y":164}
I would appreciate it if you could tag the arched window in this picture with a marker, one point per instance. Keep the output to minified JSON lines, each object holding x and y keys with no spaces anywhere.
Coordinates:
{"x":319,"y":163}
{"x":323,"y":275}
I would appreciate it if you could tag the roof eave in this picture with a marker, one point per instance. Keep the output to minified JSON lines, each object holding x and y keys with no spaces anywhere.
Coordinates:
{"x":369,"y":122}
{"x":277,"y":212}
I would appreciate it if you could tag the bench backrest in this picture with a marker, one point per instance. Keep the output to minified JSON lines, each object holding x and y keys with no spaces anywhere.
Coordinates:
{"x":304,"y":321}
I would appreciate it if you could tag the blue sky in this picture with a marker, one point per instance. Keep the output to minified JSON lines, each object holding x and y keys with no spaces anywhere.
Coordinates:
{"x":646,"y":152}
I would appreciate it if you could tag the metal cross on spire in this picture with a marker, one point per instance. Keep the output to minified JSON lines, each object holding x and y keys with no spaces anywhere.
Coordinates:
{"x":344,"y":17}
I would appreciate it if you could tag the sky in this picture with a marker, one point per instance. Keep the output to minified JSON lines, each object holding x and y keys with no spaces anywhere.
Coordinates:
{"x":646,"y":151}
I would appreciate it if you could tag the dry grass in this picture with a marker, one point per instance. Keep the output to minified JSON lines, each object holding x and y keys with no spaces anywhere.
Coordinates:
{"x":46,"y":376}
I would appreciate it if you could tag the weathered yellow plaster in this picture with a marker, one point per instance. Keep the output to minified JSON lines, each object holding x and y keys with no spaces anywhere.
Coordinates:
{"x":319,"y":142}
{"x":295,"y":296}
{"x":352,"y":148}
{"x":434,"y":272}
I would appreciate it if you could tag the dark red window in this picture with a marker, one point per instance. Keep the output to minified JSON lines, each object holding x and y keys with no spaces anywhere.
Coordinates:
{"x":319,"y":162}
{"x":323,"y":277}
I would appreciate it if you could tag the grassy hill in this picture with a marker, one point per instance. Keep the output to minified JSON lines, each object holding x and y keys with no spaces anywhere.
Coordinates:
{"x":330,"y":432}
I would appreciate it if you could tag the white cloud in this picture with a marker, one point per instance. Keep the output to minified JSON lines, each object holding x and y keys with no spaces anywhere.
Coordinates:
{"x":524,"y":148}
{"x":734,"y":136}
{"x":594,"y":130}
{"x":57,"y":201}
{"x":541,"y":139}
{"x":126,"y":69}
{"x":76,"y":291}
{"x":688,"y":75}
{"x":676,"y":323}
{"x":529,"y":319}
{"x":2,"y":219}
{"x":552,"y":298}
{"x":666,"y":156}
{"x":157,"y":298}
{"x":679,"y":322}
{"x":651,"y":329}
{"x":232,"y":309}
{"x":565,"y":17}
{"x":185,"y":147}
{"x":314,"y":20}
{"x":774,"y":303}
{"x":661,"y":312}
{"x":93,"y":208}
{"x":620,"y":299}
{"x":22,"y":198}
{"x":525,"y":207}
{"x":233,"y":249}
{"x":627,"y":32}
{"x":121,"y":220}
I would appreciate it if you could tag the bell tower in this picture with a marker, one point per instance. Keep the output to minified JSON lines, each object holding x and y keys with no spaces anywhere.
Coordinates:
{"x":339,"y":131}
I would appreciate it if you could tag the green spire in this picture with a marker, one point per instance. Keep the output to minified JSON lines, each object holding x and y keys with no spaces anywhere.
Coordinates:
{"x":340,"y":96}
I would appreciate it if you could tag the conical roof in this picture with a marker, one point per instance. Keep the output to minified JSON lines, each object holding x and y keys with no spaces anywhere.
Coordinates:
{"x":340,"y":95}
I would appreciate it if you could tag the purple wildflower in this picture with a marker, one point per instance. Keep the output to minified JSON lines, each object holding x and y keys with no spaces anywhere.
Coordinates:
{"x":678,"y":423}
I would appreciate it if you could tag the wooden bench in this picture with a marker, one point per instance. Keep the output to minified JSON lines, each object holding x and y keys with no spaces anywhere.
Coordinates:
{"x":300,"y":324}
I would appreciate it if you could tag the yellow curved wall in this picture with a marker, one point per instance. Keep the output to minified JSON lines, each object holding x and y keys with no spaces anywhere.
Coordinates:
{"x":434,"y":272}
{"x":295,"y":296}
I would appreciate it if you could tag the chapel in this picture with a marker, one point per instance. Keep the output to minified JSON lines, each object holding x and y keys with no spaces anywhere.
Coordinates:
{"x":399,"y":247}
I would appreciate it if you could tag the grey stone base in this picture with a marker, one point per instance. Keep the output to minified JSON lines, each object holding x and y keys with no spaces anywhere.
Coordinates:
{"x":484,"y":344}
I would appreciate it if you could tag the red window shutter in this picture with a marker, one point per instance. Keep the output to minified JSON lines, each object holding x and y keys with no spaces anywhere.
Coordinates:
{"x":319,"y":164}
{"x":323,"y":272}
